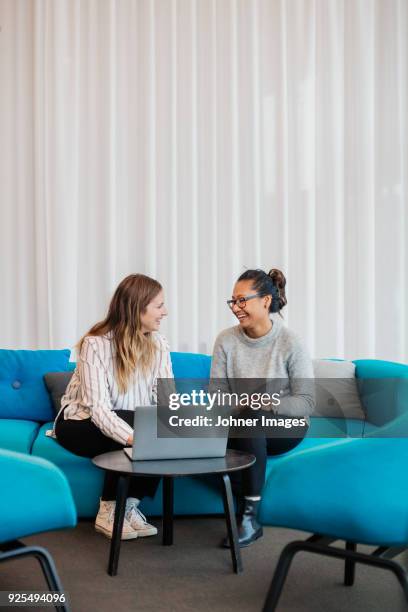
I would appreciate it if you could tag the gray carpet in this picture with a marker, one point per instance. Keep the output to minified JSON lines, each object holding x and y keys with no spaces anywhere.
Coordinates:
{"x":195,"y":574}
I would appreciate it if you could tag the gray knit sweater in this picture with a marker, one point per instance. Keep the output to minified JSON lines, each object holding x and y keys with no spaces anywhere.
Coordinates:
{"x":279,"y":354}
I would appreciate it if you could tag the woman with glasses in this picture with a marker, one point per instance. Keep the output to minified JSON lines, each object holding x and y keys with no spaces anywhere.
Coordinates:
{"x":260,"y":347}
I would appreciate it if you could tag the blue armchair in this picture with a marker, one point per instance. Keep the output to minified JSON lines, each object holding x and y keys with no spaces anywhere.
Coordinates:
{"x":354,"y":490}
{"x":36,"y":498}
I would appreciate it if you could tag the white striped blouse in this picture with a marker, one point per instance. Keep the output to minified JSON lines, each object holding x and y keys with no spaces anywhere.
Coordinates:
{"x":93,"y":391}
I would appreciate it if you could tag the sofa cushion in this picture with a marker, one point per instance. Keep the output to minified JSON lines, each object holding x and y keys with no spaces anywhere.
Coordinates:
{"x":337,"y":394}
{"x":191,"y":365}
{"x":191,"y":495}
{"x":17,"y":435}
{"x":23,"y":394}
{"x":56,"y":383}
{"x":84,"y":478}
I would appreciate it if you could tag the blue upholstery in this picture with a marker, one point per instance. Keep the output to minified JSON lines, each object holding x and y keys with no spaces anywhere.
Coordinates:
{"x":84,"y":478}
{"x":191,"y":365}
{"x":339,"y":428}
{"x":38,"y":497}
{"x":355,"y":490}
{"x":383,"y":386}
{"x":86,"y":483}
{"x":18,"y":435}
{"x":22,"y":390}
{"x":192,"y":496}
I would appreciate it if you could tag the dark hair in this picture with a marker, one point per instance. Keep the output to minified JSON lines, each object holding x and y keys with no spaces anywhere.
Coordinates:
{"x":271,"y":283}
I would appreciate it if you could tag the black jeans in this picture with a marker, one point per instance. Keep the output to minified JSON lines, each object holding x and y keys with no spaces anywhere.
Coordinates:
{"x":249,"y":482}
{"x":84,"y":438}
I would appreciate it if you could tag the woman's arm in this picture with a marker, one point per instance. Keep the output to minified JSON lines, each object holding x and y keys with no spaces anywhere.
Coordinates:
{"x":95,"y":394}
{"x":219,"y":361}
{"x":219,"y":374}
{"x":301,"y":401}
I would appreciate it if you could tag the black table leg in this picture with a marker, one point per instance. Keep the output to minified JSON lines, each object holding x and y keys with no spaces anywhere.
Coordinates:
{"x":231,"y":524}
{"x":121,"y":496}
{"x":168,"y":503}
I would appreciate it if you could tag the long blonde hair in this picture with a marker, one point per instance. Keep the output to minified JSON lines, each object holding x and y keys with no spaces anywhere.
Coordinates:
{"x":133,"y":347}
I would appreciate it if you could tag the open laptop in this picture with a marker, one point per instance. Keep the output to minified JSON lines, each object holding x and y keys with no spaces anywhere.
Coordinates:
{"x":147,"y":446}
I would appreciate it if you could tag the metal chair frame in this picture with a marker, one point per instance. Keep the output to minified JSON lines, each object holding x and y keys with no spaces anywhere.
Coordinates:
{"x":17,"y":550}
{"x":318,"y":544}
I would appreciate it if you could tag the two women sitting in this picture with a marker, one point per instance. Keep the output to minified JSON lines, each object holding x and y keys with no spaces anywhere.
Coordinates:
{"x":121,"y":358}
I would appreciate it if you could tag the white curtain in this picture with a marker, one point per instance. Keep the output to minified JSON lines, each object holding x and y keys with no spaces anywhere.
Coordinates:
{"x":189,"y":139}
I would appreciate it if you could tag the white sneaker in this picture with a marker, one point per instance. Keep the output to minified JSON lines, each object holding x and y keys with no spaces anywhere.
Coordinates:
{"x":137,"y":520}
{"x":104,"y":522}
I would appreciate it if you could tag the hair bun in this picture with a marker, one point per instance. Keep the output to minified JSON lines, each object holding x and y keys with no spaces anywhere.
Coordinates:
{"x":278,"y":277}
{"x":279,"y":280}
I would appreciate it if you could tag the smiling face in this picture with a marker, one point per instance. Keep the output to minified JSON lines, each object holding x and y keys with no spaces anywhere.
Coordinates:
{"x":150,"y":319}
{"x":256,"y":310}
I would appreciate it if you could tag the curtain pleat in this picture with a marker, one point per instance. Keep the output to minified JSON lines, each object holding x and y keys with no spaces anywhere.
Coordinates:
{"x":192,"y":139}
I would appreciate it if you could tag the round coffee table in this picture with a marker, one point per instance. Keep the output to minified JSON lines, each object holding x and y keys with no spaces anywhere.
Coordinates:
{"x":119,"y":462}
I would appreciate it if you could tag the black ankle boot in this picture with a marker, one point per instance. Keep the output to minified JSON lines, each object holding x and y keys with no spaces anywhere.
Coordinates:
{"x":249,"y":529}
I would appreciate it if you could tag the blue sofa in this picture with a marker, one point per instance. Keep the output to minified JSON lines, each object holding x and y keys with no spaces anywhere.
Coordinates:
{"x":26,"y":413}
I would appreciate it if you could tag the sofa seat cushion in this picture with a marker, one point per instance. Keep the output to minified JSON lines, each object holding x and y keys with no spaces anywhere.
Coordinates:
{"x":191,"y":495}
{"x":18,"y":435}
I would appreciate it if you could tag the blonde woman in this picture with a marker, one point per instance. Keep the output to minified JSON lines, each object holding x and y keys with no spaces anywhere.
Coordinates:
{"x":120,"y":360}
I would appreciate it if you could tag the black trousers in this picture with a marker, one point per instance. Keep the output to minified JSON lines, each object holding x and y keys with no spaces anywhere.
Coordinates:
{"x":84,"y":438}
{"x":249,"y":482}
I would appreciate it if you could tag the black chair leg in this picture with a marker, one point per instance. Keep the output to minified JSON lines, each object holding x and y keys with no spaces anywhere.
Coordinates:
{"x":47,"y":566}
{"x":350,"y":566}
{"x":402,"y":577}
{"x":314,"y":546}
{"x":280,"y":575}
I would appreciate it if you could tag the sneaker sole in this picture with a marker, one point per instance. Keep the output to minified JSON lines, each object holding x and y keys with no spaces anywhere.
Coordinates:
{"x":125,"y":536}
{"x":146,"y":532}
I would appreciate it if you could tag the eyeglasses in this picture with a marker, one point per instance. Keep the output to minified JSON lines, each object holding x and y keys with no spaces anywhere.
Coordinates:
{"x":241,"y":302}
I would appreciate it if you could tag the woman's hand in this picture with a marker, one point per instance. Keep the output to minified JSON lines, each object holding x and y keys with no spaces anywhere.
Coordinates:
{"x":129,"y":441}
